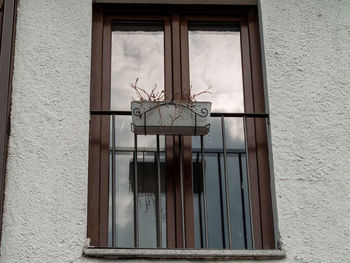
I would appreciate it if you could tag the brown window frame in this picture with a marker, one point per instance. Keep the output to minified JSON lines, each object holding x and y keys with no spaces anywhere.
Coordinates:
{"x":8,"y":10}
{"x":175,"y":19}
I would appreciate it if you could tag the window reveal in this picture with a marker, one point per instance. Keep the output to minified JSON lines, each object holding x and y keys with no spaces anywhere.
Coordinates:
{"x":174,"y":51}
{"x":8,"y":9}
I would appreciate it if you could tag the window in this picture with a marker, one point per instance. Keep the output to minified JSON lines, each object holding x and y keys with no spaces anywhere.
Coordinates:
{"x":149,"y":191}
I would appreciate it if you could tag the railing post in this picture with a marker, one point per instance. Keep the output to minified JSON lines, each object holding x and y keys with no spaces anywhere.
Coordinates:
{"x":114,"y":238}
{"x":182,"y":195}
{"x":158,"y":200}
{"x":204,"y":195}
{"x":136,"y":212}
{"x":227,"y":193}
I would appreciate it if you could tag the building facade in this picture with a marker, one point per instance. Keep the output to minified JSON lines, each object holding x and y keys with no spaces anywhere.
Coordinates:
{"x":305,"y":54}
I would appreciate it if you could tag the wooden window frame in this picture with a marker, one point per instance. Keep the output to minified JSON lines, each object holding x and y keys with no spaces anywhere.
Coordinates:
{"x":176,"y":79}
{"x":8,"y":10}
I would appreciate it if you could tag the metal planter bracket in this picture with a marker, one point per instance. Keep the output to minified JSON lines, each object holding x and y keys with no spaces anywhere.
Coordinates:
{"x":170,"y":118}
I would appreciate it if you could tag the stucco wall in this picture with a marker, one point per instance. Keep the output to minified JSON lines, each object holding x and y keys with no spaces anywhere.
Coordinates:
{"x":307,"y":54}
{"x":46,"y":181}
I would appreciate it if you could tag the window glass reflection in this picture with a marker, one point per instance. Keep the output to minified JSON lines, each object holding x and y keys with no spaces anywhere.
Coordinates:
{"x":124,"y":138}
{"x":124,"y":186}
{"x":147,"y":189}
{"x":215,"y":62}
{"x":234,"y":133}
{"x":238,"y":230}
{"x":147,"y":176}
{"x":216,"y":201}
{"x":137,"y":52}
{"x":124,"y":202}
{"x":214,"y":138}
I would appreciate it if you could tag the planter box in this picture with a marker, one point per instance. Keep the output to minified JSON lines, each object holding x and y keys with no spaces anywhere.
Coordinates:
{"x":170,"y":118}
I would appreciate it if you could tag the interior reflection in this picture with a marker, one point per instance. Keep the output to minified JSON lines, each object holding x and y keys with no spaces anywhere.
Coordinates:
{"x":137,"y":52}
{"x":215,"y":62}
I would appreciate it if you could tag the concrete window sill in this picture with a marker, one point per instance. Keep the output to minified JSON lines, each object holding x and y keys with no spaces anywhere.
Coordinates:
{"x":187,"y":254}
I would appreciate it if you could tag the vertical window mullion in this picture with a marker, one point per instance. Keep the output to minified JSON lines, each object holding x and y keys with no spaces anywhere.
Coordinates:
{"x":187,"y":141}
{"x":176,"y":89}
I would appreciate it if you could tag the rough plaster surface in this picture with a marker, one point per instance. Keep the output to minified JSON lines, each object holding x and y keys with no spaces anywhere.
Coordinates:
{"x":46,"y":183}
{"x":307,"y":54}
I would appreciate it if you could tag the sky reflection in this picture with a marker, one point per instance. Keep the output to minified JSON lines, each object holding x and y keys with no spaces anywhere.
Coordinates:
{"x":135,"y":54}
{"x":215,"y":62}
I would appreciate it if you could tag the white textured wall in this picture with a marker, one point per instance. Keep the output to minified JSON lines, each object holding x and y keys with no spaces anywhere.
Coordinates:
{"x":307,"y":53}
{"x":46,"y":182}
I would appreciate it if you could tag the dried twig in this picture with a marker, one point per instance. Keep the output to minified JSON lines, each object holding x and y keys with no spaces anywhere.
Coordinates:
{"x":159,"y":96}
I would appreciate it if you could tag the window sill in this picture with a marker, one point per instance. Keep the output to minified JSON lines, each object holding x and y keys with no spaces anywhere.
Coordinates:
{"x":188,"y":254}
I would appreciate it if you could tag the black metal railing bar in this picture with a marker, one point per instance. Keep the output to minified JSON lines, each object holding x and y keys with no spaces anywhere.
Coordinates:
{"x":202,"y":151}
{"x":213,"y":114}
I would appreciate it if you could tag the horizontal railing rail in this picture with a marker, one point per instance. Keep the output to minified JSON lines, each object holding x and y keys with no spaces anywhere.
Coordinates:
{"x":194,"y":150}
{"x":213,"y":114}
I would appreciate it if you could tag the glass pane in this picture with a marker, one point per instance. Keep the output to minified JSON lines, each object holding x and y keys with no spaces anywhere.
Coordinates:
{"x":137,"y":52}
{"x":215,"y":187}
{"x":238,"y":234}
{"x":215,"y":63}
{"x":124,"y":138}
{"x":216,"y":201}
{"x":124,"y":202}
{"x":124,"y":187}
{"x":249,"y":240}
{"x":246,"y":202}
{"x":147,"y":176}
{"x":234,"y":133}
{"x":214,"y":138}
{"x":215,"y":223}
{"x":198,"y":202}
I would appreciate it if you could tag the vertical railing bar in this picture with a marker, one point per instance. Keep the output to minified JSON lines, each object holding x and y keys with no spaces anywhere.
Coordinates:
{"x":226,"y":182}
{"x":221,"y":203}
{"x":159,"y":205}
{"x":182,"y":196}
{"x":200,"y":186}
{"x":136,"y":212}
{"x":114,"y":238}
{"x":247,"y":167}
{"x":204,"y":196}
{"x":243,"y":201}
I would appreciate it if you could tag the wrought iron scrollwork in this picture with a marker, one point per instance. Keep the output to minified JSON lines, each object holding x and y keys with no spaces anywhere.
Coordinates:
{"x":203,"y":112}
{"x":137,"y":112}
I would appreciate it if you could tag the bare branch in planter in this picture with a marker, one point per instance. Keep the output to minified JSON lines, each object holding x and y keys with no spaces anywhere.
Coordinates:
{"x":192,"y":97}
{"x":158,"y":97}
{"x":134,"y":87}
{"x":143,"y":95}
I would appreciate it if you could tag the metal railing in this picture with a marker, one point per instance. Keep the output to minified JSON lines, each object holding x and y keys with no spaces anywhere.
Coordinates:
{"x":202,"y":151}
